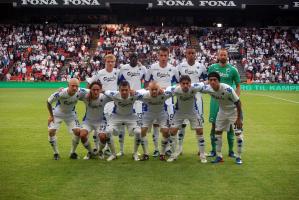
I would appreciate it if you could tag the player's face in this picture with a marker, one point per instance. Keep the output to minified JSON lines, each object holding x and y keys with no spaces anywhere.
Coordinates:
{"x":214,"y":83}
{"x":124,"y":91}
{"x":185,"y":85}
{"x":133,"y":61}
{"x":190,"y":55}
{"x":163,"y":57}
{"x":95,"y":91}
{"x":222,"y":57}
{"x":109,"y":63}
{"x":73,"y":88}
{"x":154,"y":90}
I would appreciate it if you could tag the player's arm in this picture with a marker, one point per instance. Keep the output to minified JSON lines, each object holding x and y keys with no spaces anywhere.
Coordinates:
{"x":237,"y":81}
{"x":239,"y":122}
{"x":170,"y":91}
{"x":53,"y":98}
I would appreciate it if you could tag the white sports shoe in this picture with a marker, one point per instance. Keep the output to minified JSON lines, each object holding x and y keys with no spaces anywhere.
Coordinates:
{"x":136,"y":157}
{"x":203,"y":158}
{"x":120,"y":154}
{"x":101,"y":155}
{"x":172,"y":158}
{"x":111,"y":157}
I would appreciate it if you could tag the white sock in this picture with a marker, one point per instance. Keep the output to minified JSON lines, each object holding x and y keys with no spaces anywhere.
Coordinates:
{"x":156,"y":138}
{"x":240,"y":143}
{"x":144,"y":144}
{"x":53,"y":143}
{"x":201,"y":144}
{"x":75,"y":142}
{"x":110,"y":143}
{"x":96,"y":141}
{"x":87,"y":146}
{"x":164,"y":142}
{"x":181,"y":136}
{"x":218,"y":144}
{"x":137,"y":142}
{"x":173,"y":140}
{"x":121,"y":138}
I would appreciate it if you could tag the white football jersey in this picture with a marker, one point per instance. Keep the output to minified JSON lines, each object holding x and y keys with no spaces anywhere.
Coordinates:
{"x":194,"y":72}
{"x":122,"y":106}
{"x":133,"y":75}
{"x":154,"y":104}
{"x":226,"y":96}
{"x":65,"y":103}
{"x":164,"y":76}
{"x":186,"y":101}
{"x":108,"y":79}
{"x":95,"y":108}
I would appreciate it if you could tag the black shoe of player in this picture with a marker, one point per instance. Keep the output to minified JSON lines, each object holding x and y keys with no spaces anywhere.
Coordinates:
{"x":145,"y":157}
{"x":56,"y":156}
{"x":74,"y":156}
{"x":162,"y":158}
{"x":168,"y":153}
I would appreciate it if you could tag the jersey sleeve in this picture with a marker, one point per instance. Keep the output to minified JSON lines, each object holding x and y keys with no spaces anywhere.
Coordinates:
{"x":169,"y":91}
{"x":148,"y":75}
{"x":236,"y":76}
{"x":111,"y":94}
{"x":92,"y":79}
{"x":197,"y":87}
{"x":56,"y":96}
{"x":176,"y":76}
{"x":233,"y":95}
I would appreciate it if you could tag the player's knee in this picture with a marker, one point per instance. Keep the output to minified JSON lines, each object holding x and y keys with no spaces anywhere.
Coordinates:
{"x":52,"y":132}
{"x":103,"y":138}
{"x":76,"y":131}
{"x":83,"y":134}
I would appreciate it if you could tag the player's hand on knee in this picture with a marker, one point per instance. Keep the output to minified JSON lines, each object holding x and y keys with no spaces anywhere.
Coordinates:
{"x":50,"y":119}
{"x":239,"y":123}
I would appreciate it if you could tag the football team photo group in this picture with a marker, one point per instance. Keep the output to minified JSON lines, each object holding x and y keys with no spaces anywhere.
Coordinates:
{"x":118,"y":103}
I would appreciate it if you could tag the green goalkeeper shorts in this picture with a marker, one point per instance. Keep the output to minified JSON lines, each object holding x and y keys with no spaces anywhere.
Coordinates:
{"x":214,"y":108}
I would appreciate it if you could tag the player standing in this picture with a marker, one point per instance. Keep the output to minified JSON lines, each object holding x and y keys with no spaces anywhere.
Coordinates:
{"x":197,"y":72}
{"x":134,"y":73}
{"x":229,"y":75}
{"x":230,"y":113}
{"x":109,"y":78}
{"x":164,"y":74}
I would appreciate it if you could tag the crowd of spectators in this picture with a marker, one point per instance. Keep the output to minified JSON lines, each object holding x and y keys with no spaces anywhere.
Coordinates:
{"x":59,"y":52}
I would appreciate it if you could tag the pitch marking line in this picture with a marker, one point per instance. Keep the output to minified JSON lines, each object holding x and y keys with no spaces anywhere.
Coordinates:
{"x":273,"y":97}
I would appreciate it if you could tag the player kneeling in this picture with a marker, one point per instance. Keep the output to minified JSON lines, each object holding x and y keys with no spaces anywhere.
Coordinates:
{"x":94,"y":119}
{"x":230,"y":113}
{"x":186,"y":108}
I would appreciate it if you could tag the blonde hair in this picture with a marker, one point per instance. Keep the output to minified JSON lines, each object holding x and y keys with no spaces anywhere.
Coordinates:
{"x":110,"y":56}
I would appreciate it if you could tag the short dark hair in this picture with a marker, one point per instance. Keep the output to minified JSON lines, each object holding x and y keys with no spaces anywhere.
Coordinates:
{"x":185,"y":78}
{"x":95,"y":83}
{"x":124,"y":83}
{"x":191,"y":47}
{"x":215,"y":75}
{"x":164,"y":49}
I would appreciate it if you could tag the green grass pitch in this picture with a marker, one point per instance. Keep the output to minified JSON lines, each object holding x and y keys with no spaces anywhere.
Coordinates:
{"x":270,"y":169}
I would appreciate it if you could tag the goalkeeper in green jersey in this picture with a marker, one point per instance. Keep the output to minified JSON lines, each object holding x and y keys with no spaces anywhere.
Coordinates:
{"x":229,"y":75}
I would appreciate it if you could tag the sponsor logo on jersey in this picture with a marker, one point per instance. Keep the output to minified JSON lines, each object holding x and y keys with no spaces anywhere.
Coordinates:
{"x":163,"y":75}
{"x":189,"y":72}
{"x":109,"y":79}
{"x":132,"y":74}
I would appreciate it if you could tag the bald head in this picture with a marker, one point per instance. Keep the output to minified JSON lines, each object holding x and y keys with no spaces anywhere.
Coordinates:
{"x":154,"y":88}
{"x":73,"y":86}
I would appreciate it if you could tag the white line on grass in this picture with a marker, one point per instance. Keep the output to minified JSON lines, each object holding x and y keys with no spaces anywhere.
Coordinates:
{"x":273,"y":97}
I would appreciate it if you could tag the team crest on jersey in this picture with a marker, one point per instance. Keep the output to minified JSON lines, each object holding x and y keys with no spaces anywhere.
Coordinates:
{"x":229,"y":90}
